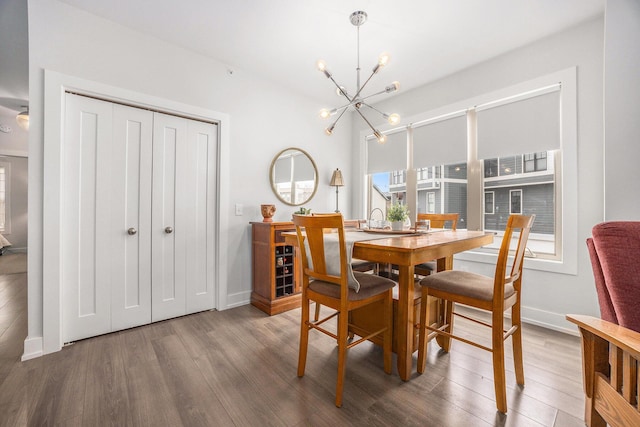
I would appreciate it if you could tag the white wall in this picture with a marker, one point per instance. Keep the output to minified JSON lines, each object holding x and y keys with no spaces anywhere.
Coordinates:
{"x":622,"y":109}
{"x":265,"y":118}
{"x":547,"y":297}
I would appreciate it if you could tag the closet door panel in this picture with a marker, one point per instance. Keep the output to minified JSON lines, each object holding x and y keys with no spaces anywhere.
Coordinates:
{"x":167,"y":239}
{"x":131,"y":218}
{"x":199,"y":183}
{"x":86,"y":214}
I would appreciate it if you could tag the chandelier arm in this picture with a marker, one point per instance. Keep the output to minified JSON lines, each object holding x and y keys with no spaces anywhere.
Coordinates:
{"x":363,"y":85}
{"x":375,"y":131}
{"x":351,"y":100}
{"x":373,"y":94}
{"x":339,"y":117}
{"x":375,"y":109}
{"x":355,"y":101}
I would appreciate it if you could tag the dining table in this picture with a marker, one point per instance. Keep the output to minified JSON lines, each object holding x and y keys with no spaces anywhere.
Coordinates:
{"x":404,"y":252}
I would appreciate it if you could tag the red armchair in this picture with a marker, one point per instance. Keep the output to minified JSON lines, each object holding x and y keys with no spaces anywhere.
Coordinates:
{"x":611,"y":345}
{"x":615,"y":259}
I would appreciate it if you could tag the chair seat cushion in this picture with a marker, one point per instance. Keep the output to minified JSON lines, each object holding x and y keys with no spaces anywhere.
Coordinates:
{"x":370,"y":285}
{"x":464,"y":283}
{"x":430,"y":265}
{"x":362,"y":265}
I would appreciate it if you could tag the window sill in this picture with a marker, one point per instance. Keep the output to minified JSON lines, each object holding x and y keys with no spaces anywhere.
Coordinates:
{"x":550,"y":266}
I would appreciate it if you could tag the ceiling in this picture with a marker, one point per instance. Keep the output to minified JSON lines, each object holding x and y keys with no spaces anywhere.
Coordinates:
{"x":281,"y":40}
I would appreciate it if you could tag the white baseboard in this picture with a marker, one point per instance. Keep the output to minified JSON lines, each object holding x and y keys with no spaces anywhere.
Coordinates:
{"x":549,"y":320}
{"x":13,"y":250}
{"x":542,"y":318}
{"x":32,"y":348}
{"x":237,"y":300}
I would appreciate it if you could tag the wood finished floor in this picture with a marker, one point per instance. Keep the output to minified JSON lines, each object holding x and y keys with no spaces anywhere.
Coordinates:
{"x":238,"y":368}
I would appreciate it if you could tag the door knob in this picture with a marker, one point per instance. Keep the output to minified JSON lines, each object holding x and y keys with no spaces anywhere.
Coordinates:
{"x":168,"y":230}
{"x":132,"y":231}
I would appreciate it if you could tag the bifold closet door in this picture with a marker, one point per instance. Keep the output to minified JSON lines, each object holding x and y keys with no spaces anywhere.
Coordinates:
{"x":105,"y":217}
{"x":183,"y":216}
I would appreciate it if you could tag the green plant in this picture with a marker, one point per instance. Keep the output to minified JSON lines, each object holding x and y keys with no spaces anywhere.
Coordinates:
{"x":303,"y":211}
{"x":397,"y":212}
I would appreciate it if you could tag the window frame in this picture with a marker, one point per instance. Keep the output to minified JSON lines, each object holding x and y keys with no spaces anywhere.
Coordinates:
{"x":493,"y":202}
{"x":521,"y":202}
{"x":565,"y":166}
{"x":7,"y":198}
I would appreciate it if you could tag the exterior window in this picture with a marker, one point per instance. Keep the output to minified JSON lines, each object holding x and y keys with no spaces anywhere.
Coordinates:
{"x":445,"y":191}
{"x":431,"y":202}
{"x":490,"y":168}
{"x":489,"y":197}
{"x":5,"y":169}
{"x":397,"y":187}
{"x":509,"y":165}
{"x":535,"y":162}
{"x":515,"y":201}
{"x":399,"y":177}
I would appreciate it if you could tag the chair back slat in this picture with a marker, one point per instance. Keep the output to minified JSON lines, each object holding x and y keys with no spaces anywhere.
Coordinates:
{"x":520,"y":224}
{"x":440,"y":220}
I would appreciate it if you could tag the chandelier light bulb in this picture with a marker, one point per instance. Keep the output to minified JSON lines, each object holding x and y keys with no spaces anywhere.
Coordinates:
{"x":383,"y":59}
{"x":381,"y":138}
{"x":394,"y":118}
{"x":325,"y":114}
{"x":321,"y":65}
{"x":329,"y":130}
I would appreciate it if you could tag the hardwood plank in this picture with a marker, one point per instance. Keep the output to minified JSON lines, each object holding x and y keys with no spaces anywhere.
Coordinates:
{"x":106,"y":399}
{"x":196,"y":404}
{"x":238,"y":367}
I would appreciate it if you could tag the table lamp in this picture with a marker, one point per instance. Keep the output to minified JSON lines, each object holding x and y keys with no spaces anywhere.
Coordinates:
{"x":337,"y":181}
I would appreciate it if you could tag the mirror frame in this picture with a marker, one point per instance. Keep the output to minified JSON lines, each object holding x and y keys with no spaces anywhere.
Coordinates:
{"x":273,"y":184}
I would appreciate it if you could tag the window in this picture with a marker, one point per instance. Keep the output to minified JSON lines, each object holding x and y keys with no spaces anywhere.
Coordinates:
{"x":515,"y":202}
{"x":515,"y":145}
{"x":431,"y":202}
{"x":489,"y":197}
{"x":536,"y":195}
{"x":535,"y":162}
{"x":5,"y":211}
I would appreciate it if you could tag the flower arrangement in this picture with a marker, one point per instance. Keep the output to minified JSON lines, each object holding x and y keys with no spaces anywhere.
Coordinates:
{"x":397,"y":212}
{"x":303,"y":211}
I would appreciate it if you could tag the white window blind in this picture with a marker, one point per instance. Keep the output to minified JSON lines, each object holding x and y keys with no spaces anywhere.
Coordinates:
{"x":282,"y":170}
{"x":390,"y":156}
{"x":303,"y":168}
{"x":441,"y":142}
{"x":526,"y":125}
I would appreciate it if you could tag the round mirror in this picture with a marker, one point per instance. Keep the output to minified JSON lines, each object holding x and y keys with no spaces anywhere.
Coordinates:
{"x":294,"y":176}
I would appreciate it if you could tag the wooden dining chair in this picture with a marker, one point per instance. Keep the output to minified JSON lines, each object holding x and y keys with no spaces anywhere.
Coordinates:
{"x":361,"y":265}
{"x":330,"y":286}
{"x":446,"y":220}
{"x":493,"y":294}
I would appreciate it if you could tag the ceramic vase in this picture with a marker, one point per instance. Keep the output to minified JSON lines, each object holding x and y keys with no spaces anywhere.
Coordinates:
{"x":267,"y":212}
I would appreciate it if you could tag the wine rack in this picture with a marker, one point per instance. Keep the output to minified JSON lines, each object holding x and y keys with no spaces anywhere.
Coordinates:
{"x":285,"y":281}
{"x":276,"y":286}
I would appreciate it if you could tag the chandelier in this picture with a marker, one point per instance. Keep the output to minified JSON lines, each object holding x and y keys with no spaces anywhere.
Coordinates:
{"x":357,"y":100}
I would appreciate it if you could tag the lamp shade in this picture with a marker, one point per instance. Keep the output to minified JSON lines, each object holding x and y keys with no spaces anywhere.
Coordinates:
{"x":336,"y":179}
